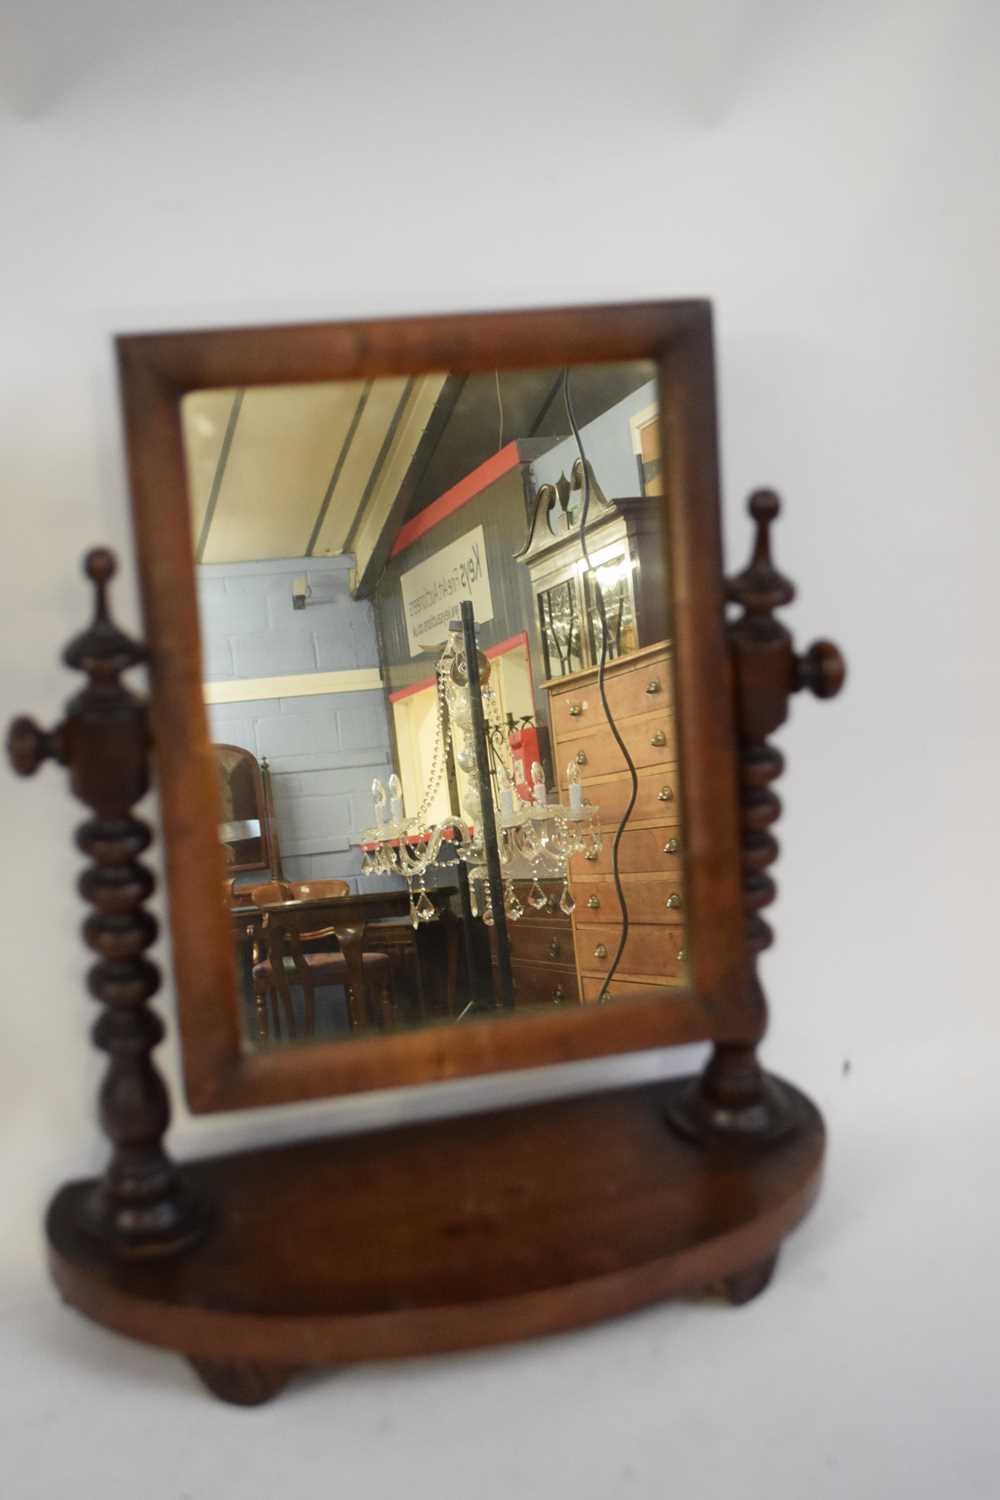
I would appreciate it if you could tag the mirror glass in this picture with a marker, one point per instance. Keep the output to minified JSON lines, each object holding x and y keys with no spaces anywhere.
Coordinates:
{"x":437,"y":668}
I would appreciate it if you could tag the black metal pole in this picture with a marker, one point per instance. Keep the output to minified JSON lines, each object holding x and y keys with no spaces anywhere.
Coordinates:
{"x":477,"y":971}
{"x":488,"y":822}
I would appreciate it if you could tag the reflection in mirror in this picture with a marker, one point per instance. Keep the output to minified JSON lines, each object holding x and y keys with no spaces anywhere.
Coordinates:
{"x":438,"y":668}
{"x":247,"y":829}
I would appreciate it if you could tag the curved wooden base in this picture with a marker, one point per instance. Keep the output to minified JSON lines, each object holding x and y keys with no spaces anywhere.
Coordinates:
{"x":452,"y":1235}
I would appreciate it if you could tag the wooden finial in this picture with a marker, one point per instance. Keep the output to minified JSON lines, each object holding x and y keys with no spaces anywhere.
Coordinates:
{"x":29,"y":746}
{"x":760,"y":588}
{"x":734,"y":1096}
{"x":100,"y":565}
{"x":102,"y":650}
{"x":822,"y":670}
{"x":141,"y":1206}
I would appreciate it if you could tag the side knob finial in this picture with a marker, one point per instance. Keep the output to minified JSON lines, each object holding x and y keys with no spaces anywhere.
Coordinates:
{"x":822,"y":670}
{"x":28,"y":746}
{"x":102,"y":651}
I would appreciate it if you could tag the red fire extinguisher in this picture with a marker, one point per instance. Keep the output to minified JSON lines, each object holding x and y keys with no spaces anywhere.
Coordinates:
{"x":525,"y":749}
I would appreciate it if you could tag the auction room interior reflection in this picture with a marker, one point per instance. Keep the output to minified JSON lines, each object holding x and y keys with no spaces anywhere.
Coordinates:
{"x":415,"y":832}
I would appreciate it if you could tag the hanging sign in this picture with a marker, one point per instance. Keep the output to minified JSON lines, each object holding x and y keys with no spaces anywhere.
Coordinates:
{"x":434,"y":589}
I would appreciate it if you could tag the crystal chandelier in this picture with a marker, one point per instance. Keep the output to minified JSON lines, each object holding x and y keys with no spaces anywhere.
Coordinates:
{"x":535,"y":839}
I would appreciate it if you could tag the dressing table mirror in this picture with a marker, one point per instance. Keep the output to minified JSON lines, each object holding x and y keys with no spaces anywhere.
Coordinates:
{"x":461,"y":742}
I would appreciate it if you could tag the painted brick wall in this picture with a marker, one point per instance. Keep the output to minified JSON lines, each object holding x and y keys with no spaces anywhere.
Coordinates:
{"x":323,"y":749}
{"x":249,"y":628}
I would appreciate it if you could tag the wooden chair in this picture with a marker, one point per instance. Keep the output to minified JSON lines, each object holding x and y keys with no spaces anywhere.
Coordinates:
{"x":288,"y":963}
{"x":271,"y":893}
{"x":394,"y":934}
{"x":319,"y":890}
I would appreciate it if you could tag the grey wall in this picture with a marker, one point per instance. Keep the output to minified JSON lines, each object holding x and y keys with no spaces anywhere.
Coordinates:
{"x":607,"y":444}
{"x":249,"y":628}
{"x":323,"y":749}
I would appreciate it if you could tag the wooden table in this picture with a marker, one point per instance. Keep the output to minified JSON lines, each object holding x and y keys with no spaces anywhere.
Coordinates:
{"x":350,"y":919}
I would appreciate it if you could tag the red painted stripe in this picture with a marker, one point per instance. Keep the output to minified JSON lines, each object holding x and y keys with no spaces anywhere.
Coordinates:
{"x":415,"y":687}
{"x":500,"y":649}
{"x":417,"y":838}
{"x":510,"y":644}
{"x":460,"y":494}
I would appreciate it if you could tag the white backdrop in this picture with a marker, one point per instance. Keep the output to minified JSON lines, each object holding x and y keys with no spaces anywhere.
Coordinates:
{"x":828,"y":176}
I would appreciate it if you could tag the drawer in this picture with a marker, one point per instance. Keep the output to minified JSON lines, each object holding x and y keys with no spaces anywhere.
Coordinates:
{"x":650,"y":898}
{"x":656,"y":800}
{"x":632,"y":690}
{"x":534,"y":985}
{"x":650,"y":740}
{"x":653,"y":953}
{"x":621,"y":989}
{"x":658,"y":850}
{"x":541,"y":943}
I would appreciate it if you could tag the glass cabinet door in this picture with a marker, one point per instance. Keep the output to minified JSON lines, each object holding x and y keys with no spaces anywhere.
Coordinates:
{"x":559,"y":618}
{"x":613,"y":577}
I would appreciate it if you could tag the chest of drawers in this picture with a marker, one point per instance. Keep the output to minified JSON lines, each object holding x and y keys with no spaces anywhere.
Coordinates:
{"x":639,"y":690}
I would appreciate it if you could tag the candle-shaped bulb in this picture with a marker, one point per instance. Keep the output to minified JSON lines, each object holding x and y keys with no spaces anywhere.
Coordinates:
{"x":379,"y":799}
{"x":506,"y":793}
{"x":395,"y":798}
{"x":575,"y":787}
{"x":538,"y":784}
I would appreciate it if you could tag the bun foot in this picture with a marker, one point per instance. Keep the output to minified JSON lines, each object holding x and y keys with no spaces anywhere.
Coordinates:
{"x":242,"y":1382}
{"x":744,"y":1286}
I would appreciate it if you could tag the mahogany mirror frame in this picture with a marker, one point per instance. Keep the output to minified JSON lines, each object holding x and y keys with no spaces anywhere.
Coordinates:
{"x":156,"y":371}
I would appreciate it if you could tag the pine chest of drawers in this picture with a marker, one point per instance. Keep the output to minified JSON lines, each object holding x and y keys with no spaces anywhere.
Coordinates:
{"x":639,"y":690}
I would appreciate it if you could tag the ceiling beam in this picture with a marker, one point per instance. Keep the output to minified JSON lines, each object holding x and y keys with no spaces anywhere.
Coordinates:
{"x":373,"y":555}
{"x":217,"y":478}
{"x":338,"y":467}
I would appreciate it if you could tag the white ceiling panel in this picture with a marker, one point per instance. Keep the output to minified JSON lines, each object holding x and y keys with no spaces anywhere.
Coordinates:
{"x":284,"y":448}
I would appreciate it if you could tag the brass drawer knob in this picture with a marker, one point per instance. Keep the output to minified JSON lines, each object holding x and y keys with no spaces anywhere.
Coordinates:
{"x":658,"y":740}
{"x":600,"y":951}
{"x":673,"y":901}
{"x":665,"y":794}
{"x":682,"y":955}
{"x":575,"y":710}
{"x":591,"y":855}
{"x":558,"y":994}
{"x":554,"y":948}
{"x":672,"y":846}
{"x":581,"y":757}
{"x":593,"y":902}
{"x":653,"y":686}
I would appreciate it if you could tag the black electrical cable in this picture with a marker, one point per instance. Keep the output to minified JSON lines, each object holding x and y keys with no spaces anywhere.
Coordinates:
{"x":602,"y":616}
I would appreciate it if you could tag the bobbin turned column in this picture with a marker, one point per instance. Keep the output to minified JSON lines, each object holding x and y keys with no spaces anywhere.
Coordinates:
{"x":141,"y":1206}
{"x":734,"y":1096}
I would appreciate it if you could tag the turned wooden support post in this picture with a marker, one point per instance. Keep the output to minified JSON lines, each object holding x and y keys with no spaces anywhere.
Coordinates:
{"x":141,"y":1206}
{"x":735,"y":1096}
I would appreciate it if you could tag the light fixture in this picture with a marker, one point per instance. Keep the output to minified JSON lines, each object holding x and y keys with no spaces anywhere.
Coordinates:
{"x":535,"y":839}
